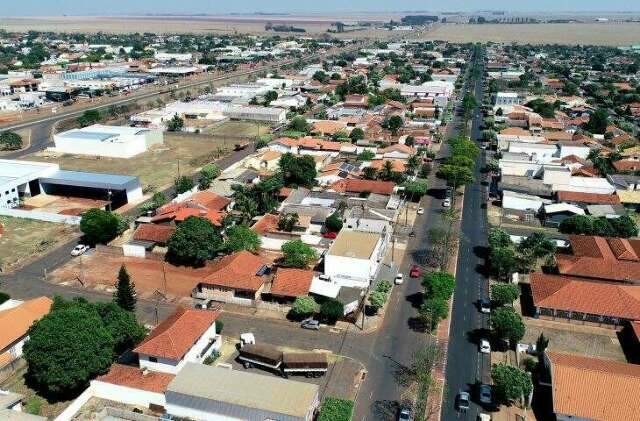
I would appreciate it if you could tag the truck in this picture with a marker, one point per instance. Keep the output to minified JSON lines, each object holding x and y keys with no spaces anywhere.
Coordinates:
{"x":311,"y":364}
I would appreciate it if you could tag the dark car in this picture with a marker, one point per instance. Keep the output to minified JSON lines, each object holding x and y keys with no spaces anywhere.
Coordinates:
{"x":406,"y":414}
{"x":462,"y":401}
{"x":484,"y":305}
{"x":484,"y":394}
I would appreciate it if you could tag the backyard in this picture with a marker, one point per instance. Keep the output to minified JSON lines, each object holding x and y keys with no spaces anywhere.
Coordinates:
{"x":25,"y":238}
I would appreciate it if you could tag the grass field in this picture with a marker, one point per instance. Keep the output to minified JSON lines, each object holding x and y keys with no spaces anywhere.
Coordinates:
{"x":25,"y":238}
{"x":159,"y":166}
{"x":613,"y":34}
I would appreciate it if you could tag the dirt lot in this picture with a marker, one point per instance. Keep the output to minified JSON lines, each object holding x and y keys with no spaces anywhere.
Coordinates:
{"x":158,"y":167}
{"x":239,"y":129}
{"x":614,"y":34}
{"x":24,"y":238}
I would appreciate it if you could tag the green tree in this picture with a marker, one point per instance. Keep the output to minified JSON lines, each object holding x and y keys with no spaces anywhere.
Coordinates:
{"x":417,"y":188}
{"x":331,"y":310}
{"x":269,"y":97}
{"x":498,"y":238}
{"x":503,"y":261}
{"x":461,"y":161}
{"x":366,"y":155}
{"x":336,"y":409}
{"x":122,"y":325}
{"x":377,"y":300}
{"x":183,"y":184}
{"x":67,"y":348}
{"x":10,"y":141}
{"x":439,"y":285}
{"x":195,"y":241}
{"x":455,"y":176}
{"x":241,"y":237}
{"x":299,"y":124}
{"x":297,"y":254}
{"x":176,"y":124}
{"x":88,"y":118}
{"x":535,"y":247}
{"x":463,"y":146}
{"x":287,"y":221}
{"x":303,"y":307}
{"x":298,"y":170}
{"x":433,"y":310}
{"x":598,"y":122}
{"x":370,"y":173}
{"x":125,"y":293}
{"x":507,"y":324}
{"x":356,"y":134}
{"x":208,"y":173}
{"x":510,"y":383}
{"x":99,"y":226}
{"x":321,"y":77}
{"x":394,"y":123}
{"x":504,"y":294}
{"x":333,"y":222}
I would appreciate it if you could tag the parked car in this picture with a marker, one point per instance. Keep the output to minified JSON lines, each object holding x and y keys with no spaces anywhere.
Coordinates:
{"x":484,"y":417}
{"x":446,"y":203}
{"x":484,"y":305}
{"x":415,"y":271}
{"x":406,"y":414}
{"x":331,"y":235}
{"x":485,"y":347}
{"x":484,"y":394}
{"x":462,"y":401}
{"x":79,"y":250}
{"x":399,"y":279}
{"x":420,"y":211}
{"x":310,"y":324}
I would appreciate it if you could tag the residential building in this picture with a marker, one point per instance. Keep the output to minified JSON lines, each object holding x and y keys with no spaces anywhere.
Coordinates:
{"x":354,"y":257}
{"x":187,"y":336}
{"x":203,"y":392}
{"x":238,"y":278}
{"x":507,"y":99}
{"x":585,"y":388}
{"x":584,"y":302}
{"x":107,"y":141}
{"x":15,"y":321}
{"x":288,"y":284}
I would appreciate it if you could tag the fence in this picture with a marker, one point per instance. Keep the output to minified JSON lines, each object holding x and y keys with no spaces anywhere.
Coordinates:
{"x":110,"y":413}
{"x":41,"y":216}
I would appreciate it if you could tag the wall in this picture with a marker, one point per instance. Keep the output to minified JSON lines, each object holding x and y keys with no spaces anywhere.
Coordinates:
{"x":126,"y":395}
{"x":125,"y":146}
{"x":41,"y":216}
{"x":133,"y":250}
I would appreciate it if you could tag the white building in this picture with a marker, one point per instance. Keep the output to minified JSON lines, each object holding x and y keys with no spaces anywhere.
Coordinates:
{"x":354,"y":257}
{"x":107,"y":141}
{"x":19,"y":178}
{"x":179,"y":57}
{"x":188,"y":336}
{"x":507,"y":99}
{"x":523,"y":202}
{"x":270,"y":115}
{"x":560,"y":179}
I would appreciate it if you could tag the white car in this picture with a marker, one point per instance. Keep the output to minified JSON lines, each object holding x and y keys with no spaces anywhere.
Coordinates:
{"x":420,"y":211}
{"x":485,"y":347}
{"x":446,"y":203}
{"x":399,"y":279}
{"x":79,"y":249}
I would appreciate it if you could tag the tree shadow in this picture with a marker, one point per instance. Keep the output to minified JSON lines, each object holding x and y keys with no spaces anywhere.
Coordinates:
{"x":526,"y":301}
{"x":402,"y":375}
{"x":385,"y":410}
{"x":476,"y":335}
{"x":415,"y":299}
{"x":417,"y":325}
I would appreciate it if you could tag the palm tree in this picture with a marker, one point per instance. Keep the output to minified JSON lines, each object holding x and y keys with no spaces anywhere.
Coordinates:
{"x":412,"y":164}
{"x":386,"y":173}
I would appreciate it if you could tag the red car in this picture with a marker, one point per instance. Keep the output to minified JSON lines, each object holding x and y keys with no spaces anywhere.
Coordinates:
{"x":330,"y":235}
{"x":415,"y":272}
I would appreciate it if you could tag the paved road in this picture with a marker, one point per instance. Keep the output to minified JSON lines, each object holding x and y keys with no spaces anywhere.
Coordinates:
{"x":465,"y":366}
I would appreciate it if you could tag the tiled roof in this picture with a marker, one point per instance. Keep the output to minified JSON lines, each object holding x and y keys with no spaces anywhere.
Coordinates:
{"x":16,"y":321}
{"x":135,"y":378}
{"x":596,"y":389}
{"x":154,"y":232}
{"x":173,"y":337}
{"x":627,"y":165}
{"x":266,"y":224}
{"x":398,"y":165}
{"x":591,"y":198}
{"x":239,"y":271}
{"x":361,"y":186}
{"x":210,"y":200}
{"x":292,"y":282}
{"x":615,"y":259}
{"x":213,"y":216}
{"x":572,"y":294}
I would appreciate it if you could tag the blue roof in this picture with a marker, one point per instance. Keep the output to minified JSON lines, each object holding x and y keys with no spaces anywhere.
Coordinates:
{"x":90,"y":179}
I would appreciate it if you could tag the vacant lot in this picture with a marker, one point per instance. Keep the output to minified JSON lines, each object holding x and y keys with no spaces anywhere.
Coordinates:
{"x":180,"y":154}
{"x":614,"y":34}
{"x":24,"y":238}
{"x":33,"y":403}
{"x":235,"y":129}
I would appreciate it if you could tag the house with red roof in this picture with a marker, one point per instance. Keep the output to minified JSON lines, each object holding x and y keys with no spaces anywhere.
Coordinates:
{"x":204,"y":204}
{"x":188,"y":335}
{"x":580,"y":301}
{"x":601,"y":259}
{"x":238,"y":278}
{"x":363,"y":186}
{"x":288,"y":284}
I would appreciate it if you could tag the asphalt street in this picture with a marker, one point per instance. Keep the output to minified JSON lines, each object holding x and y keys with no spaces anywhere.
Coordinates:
{"x":466,"y":367}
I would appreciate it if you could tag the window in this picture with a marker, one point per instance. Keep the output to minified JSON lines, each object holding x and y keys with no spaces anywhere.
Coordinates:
{"x":153,"y":359}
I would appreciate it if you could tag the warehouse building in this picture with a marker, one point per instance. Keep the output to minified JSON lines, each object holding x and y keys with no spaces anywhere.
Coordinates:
{"x":202,"y":392}
{"x":269,"y":115}
{"x":107,"y":141}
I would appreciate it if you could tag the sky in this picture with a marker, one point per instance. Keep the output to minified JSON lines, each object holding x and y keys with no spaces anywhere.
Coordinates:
{"x":118,"y":7}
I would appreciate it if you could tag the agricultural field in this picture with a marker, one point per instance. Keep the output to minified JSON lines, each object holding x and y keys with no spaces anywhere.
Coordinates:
{"x":25,"y":238}
{"x":612,"y":34}
{"x":181,"y":153}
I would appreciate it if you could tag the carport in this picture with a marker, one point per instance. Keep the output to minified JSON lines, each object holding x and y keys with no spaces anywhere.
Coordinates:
{"x":119,"y":189}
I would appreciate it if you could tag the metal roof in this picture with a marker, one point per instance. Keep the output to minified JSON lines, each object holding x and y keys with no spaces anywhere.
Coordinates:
{"x":79,"y":134}
{"x":93,"y":180}
{"x":250,"y":390}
